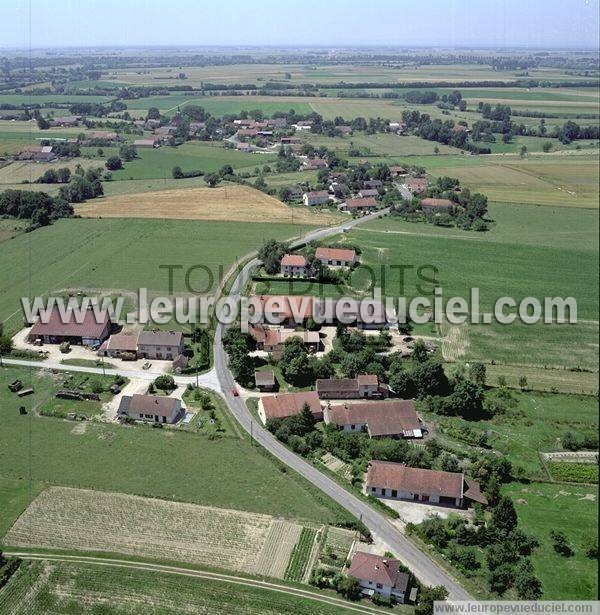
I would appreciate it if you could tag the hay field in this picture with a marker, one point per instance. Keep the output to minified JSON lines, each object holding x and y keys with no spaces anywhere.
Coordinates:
{"x":21,"y":170}
{"x":224,"y":203}
{"x":63,"y":518}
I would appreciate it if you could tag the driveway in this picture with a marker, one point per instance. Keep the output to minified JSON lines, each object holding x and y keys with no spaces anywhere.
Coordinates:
{"x":134,"y":386}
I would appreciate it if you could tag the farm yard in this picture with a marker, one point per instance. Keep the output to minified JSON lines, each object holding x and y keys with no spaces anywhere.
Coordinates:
{"x":224,"y":203}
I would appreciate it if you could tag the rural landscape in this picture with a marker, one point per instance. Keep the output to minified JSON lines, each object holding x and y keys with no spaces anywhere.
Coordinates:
{"x":278,"y":462}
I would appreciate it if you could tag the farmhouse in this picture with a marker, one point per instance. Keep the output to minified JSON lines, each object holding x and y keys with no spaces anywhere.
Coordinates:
{"x":367,"y":192}
{"x":294,"y":265}
{"x":165,"y":131}
{"x":120,"y":344}
{"x":303,"y":125}
{"x":360,"y":204}
{"x":381,"y":419}
{"x":379,"y":575}
{"x":67,"y":120}
{"x":372,"y":184}
{"x":91,"y":329}
{"x":316,"y":197}
{"x":147,"y":142}
{"x":397,"y":171}
{"x":314,"y":163}
{"x":430,"y":205}
{"x":37,"y":153}
{"x":160,"y":344}
{"x":247,"y":133}
{"x":280,"y":406}
{"x":336,"y":257}
{"x":104,"y":135}
{"x":265,"y":380}
{"x":397,"y":127}
{"x":363,"y":386}
{"x":295,"y":192}
{"x":241,"y":146}
{"x":272,"y":340}
{"x":394,"y":480}
{"x":416,"y":184}
{"x":293,"y":310}
{"x":150,"y":408}
{"x":289,"y":140}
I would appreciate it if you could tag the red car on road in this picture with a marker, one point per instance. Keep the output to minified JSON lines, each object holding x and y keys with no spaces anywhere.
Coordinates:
{"x":234,"y":392}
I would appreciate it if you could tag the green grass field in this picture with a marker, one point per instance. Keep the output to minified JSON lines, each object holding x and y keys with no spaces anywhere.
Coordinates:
{"x":56,"y":588}
{"x":123,"y":253}
{"x":570,"y":509}
{"x":158,"y":163}
{"x":218,"y":105}
{"x":179,"y":465}
{"x":532,"y":426}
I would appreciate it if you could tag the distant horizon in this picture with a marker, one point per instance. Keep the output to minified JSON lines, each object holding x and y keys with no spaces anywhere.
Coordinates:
{"x":461,"y":24}
{"x":338,"y":46}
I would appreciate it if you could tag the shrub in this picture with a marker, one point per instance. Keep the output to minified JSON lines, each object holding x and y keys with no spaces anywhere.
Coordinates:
{"x":165,"y":383}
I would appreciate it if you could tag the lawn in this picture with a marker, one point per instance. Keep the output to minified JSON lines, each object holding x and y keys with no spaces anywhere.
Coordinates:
{"x":572,"y":510}
{"x":533,"y":425}
{"x":226,"y":473}
{"x":120,"y":253}
{"x":55,"y":588}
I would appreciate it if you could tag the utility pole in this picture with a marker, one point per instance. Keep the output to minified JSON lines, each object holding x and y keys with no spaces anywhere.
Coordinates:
{"x":251,"y":433}
{"x":103,"y":368}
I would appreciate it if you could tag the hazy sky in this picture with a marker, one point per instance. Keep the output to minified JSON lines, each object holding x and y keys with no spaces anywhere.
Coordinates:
{"x":68,"y":23}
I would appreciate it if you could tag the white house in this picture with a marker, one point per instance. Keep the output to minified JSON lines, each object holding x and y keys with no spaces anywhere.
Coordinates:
{"x":379,"y":575}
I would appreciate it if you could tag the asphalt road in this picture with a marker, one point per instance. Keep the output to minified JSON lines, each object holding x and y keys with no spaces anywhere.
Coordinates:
{"x":425,"y":569}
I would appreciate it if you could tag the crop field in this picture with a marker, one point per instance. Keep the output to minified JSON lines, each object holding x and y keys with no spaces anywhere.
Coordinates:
{"x":337,"y":544}
{"x":277,"y":549}
{"x":225,"y":203}
{"x":76,"y":519}
{"x":56,"y":588}
{"x":22,"y":170}
{"x":570,"y":509}
{"x":131,"y":460}
{"x":49,"y":99}
{"x":570,"y":181}
{"x":301,"y":553}
{"x":573,"y":472}
{"x":124,"y":254}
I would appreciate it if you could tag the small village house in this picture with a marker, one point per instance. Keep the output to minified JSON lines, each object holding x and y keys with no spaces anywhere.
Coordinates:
{"x":294,"y":265}
{"x":150,"y":408}
{"x":368,"y":192}
{"x":396,"y":481}
{"x":336,"y":257}
{"x":360,"y":204}
{"x":147,"y":142}
{"x":380,"y":575}
{"x":119,"y":344}
{"x":316,"y":197}
{"x":416,"y":185}
{"x":436,"y":206}
{"x":362,"y":387}
{"x":380,"y":419}
{"x":265,"y":380}
{"x":283,"y":405}
{"x":165,"y":345}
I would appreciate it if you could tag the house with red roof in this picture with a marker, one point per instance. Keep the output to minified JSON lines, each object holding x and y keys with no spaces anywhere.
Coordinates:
{"x":379,"y":575}
{"x":294,"y":265}
{"x":396,"y":481}
{"x":281,"y":406}
{"x":78,"y":326}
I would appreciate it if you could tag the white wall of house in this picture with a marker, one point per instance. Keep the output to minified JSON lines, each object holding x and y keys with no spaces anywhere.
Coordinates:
{"x":407,"y":495}
{"x":380,"y":588}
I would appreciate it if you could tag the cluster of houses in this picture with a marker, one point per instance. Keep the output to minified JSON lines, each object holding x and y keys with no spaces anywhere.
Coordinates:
{"x":365,"y":200}
{"x":378,"y":418}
